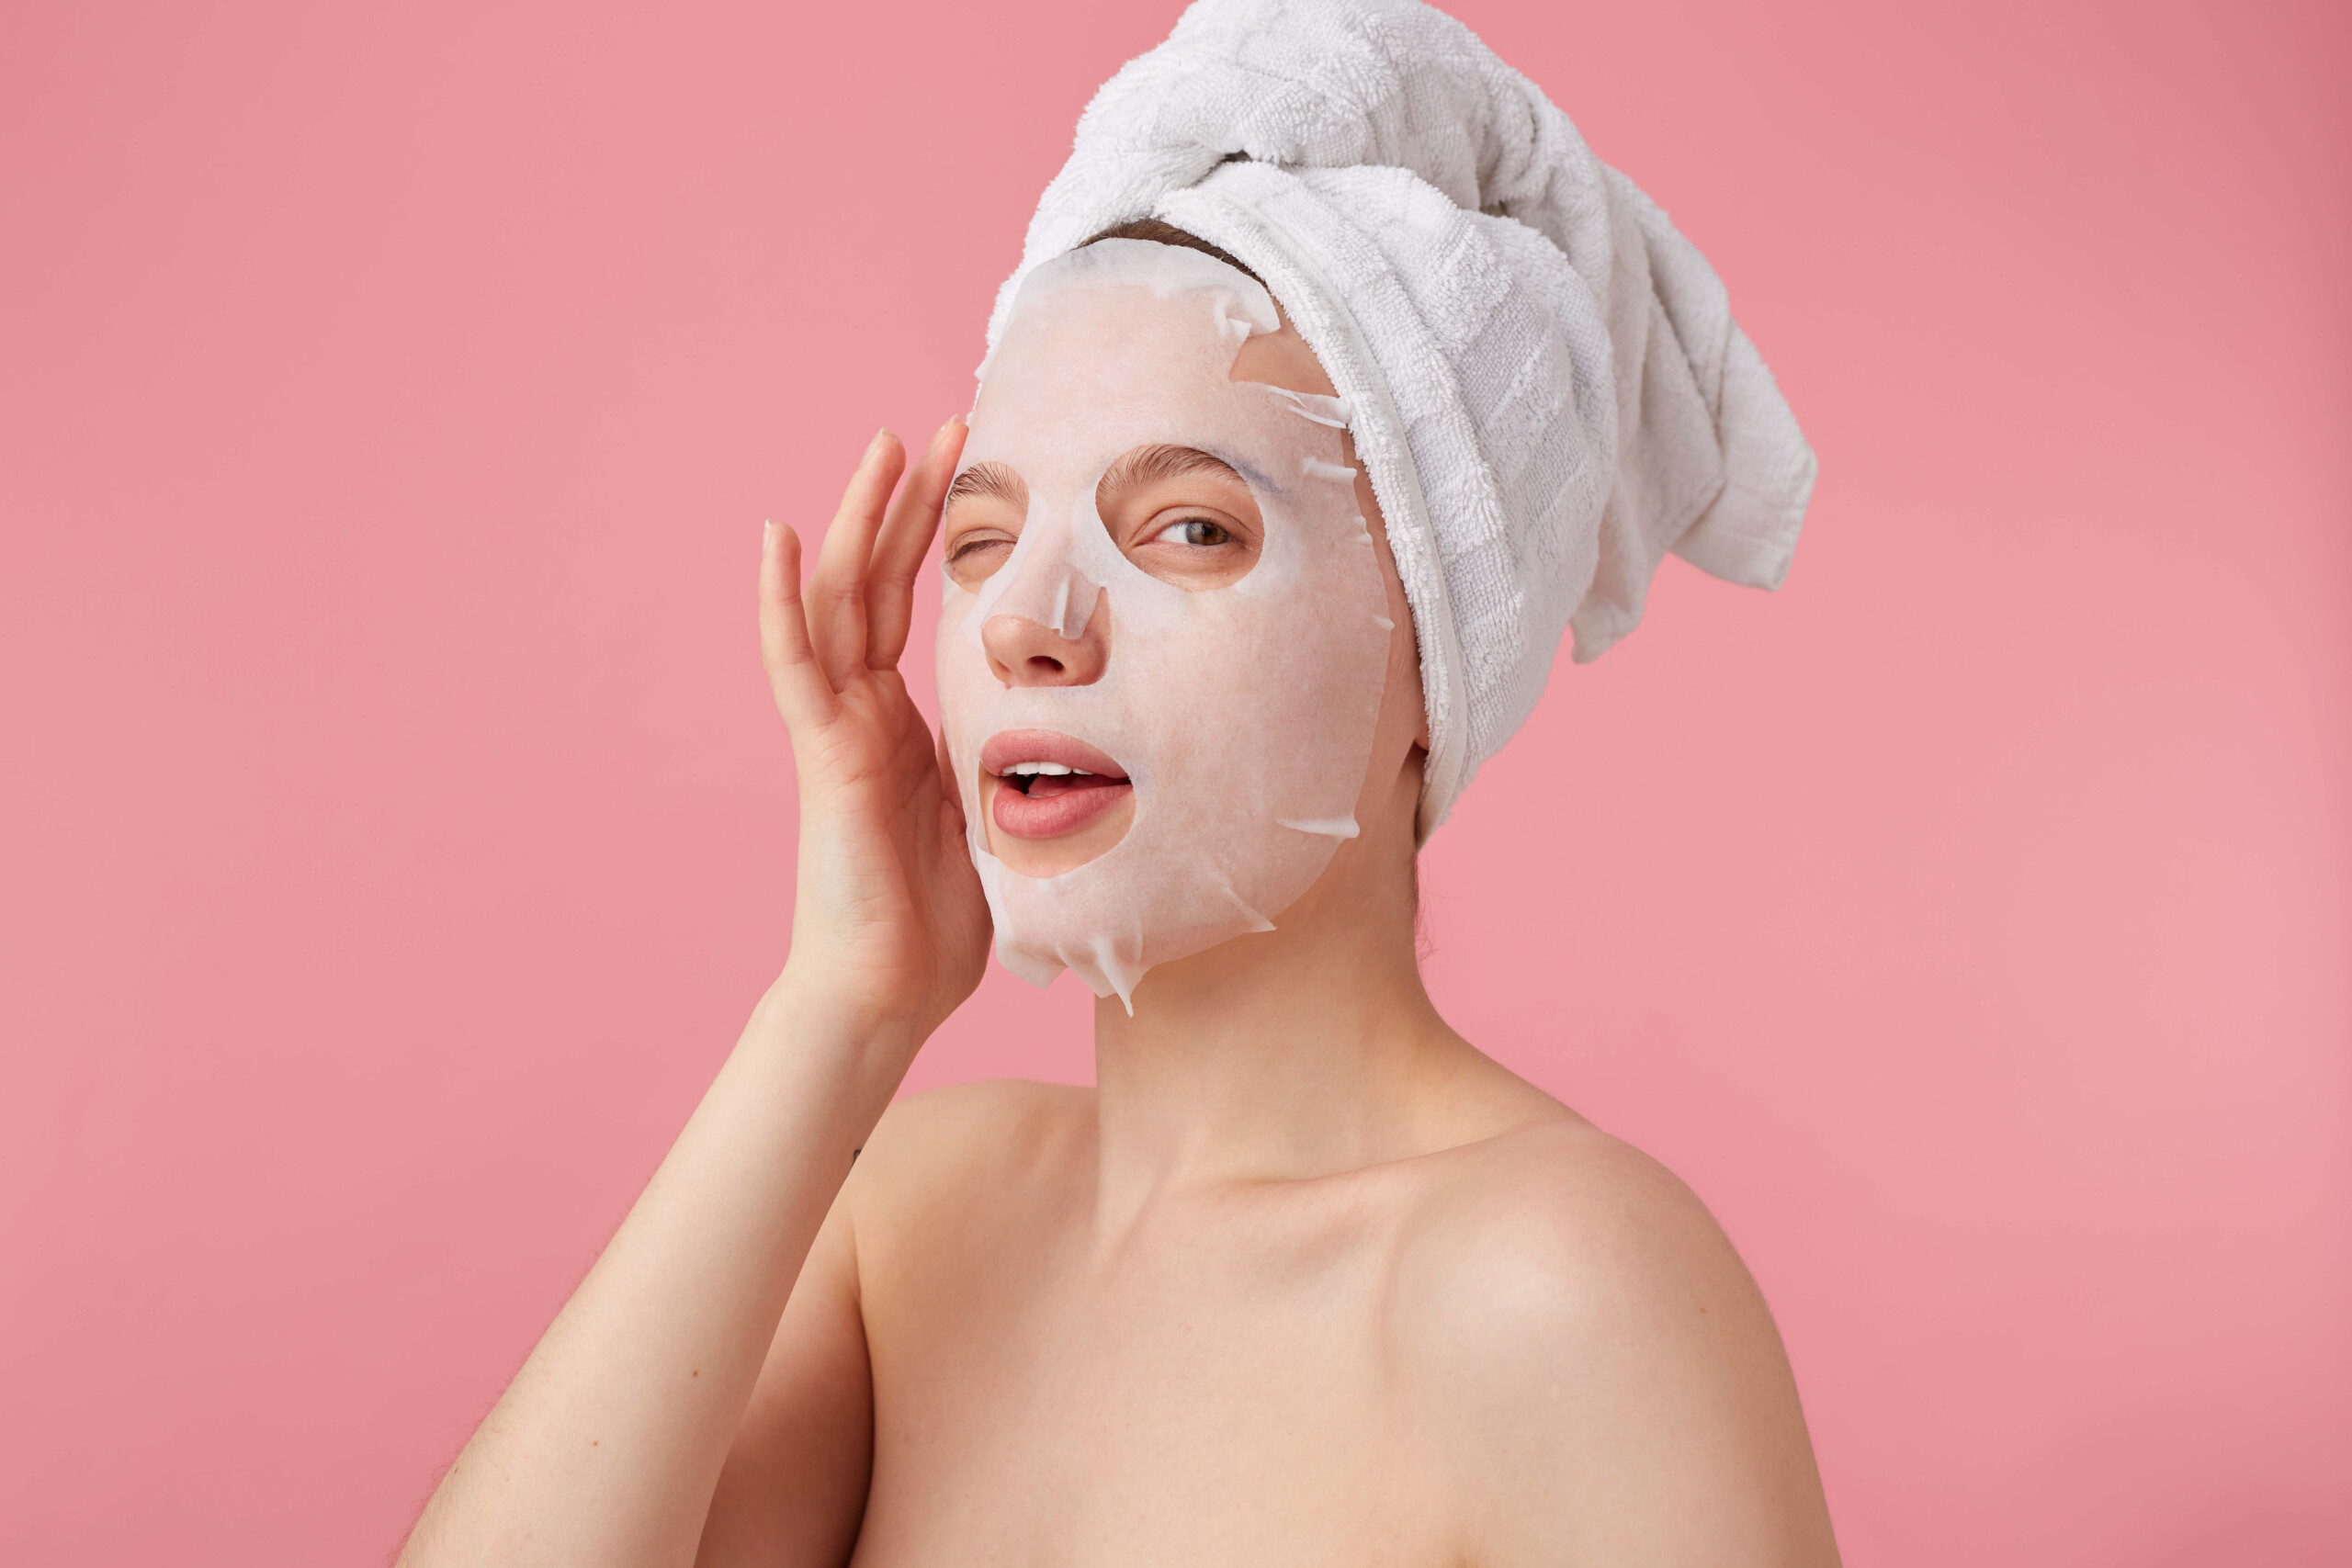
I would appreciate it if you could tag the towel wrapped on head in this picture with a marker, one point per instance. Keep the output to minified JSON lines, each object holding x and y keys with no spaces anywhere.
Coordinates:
{"x":1549,"y":390}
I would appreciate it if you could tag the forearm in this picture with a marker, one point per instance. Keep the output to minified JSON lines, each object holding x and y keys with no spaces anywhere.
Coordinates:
{"x":608,"y":1443}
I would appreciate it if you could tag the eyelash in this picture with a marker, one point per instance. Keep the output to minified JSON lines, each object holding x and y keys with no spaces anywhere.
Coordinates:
{"x":968,"y":545}
{"x":1199,"y":523}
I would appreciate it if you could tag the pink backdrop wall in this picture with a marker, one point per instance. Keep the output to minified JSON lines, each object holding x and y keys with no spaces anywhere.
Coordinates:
{"x":393,"y":831}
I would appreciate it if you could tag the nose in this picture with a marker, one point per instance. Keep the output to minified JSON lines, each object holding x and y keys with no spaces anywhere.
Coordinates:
{"x":1023,"y":653}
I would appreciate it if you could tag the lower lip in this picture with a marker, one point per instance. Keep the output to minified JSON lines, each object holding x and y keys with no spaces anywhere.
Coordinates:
{"x":1052,"y":815}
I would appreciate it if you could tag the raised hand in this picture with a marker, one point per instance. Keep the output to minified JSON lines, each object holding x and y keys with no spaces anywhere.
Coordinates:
{"x":889,"y":921}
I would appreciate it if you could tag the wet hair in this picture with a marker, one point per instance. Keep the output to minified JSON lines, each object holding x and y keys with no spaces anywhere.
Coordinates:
{"x":1152,"y":228}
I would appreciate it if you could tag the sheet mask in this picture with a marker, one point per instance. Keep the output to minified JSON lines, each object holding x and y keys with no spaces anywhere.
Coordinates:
{"x":1242,"y":714}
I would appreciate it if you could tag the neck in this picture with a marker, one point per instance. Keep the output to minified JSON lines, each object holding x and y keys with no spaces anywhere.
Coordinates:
{"x":1300,"y":1052}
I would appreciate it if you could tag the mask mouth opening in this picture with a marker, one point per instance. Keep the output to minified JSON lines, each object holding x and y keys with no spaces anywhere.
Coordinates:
{"x":1040,"y":784}
{"x":1030,"y":755}
{"x":1053,"y":802}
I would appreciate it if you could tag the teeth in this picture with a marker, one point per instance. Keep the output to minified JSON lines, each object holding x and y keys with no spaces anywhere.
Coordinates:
{"x":1053,"y":770}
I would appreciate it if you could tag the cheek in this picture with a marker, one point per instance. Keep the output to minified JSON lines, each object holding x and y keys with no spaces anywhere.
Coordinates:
{"x":957,"y":661}
{"x":1401,"y":709}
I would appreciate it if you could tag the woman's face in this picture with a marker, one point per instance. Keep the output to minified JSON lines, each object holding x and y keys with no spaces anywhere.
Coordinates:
{"x":1167,"y":632}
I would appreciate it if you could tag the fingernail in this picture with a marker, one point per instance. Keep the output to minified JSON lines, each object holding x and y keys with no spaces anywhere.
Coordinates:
{"x":875,"y":444}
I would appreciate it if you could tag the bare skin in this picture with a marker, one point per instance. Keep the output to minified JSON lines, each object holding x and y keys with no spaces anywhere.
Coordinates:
{"x":1307,"y":1279}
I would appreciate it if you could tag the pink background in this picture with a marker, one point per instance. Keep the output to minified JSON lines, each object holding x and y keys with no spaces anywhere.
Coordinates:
{"x":393,"y":831}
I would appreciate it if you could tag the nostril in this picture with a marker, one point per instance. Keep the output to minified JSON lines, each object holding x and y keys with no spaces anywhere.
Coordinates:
{"x":1022,"y":652}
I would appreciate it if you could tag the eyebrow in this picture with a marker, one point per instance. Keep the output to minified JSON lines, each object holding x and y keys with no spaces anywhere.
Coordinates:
{"x":993,"y":481}
{"x":1149,"y":465}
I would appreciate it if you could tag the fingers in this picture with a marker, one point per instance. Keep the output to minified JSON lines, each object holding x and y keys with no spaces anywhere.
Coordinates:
{"x":835,"y":597}
{"x":905,"y":540}
{"x":803,"y":694}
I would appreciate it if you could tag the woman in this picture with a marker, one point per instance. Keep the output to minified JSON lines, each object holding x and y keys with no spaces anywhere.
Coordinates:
{"x":1283,"y":478}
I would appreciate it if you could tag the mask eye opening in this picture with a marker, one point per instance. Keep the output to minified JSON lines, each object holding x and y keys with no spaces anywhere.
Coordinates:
{"x":1181,"y":514}
{"x":981,"y":521}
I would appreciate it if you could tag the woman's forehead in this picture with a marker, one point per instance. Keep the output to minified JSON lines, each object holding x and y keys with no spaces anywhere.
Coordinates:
{"x":1108,"y":348}
{"x":1282,"y":359}
{"x":1131,"y":359}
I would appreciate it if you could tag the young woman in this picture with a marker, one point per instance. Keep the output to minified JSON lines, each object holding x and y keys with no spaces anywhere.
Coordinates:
{"x":1306,"y":1278}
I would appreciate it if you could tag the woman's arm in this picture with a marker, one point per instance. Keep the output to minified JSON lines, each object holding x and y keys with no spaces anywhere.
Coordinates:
{"x":609,"y":1444}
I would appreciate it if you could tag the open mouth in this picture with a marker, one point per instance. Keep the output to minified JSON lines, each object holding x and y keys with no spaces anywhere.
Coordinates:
{"x":1042,"y":785}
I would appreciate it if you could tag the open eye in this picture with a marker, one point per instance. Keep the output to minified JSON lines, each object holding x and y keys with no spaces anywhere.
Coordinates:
{"x":1183,"y":515}
{"x":1198,"y":531}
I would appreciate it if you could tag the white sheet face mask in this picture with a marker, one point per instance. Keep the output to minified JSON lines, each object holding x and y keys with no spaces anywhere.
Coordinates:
{"x":1242,"y":714}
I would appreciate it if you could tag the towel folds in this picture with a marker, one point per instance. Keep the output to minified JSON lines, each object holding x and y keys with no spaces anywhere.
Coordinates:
{"x":1549,"y":393}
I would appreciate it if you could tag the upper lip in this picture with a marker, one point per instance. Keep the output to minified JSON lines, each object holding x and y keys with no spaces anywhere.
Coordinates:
{"x":1013,"y":746}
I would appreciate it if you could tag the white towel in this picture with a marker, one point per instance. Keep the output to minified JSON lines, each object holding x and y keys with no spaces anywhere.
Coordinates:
{"x":1549,"y":390}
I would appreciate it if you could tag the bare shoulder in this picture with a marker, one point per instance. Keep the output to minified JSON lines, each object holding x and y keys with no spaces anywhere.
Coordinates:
{"x":984,"y":1111}
{"x":1559,"y":1224}
{"x":1601,"y":1365}
{"x":936,"y":1151}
